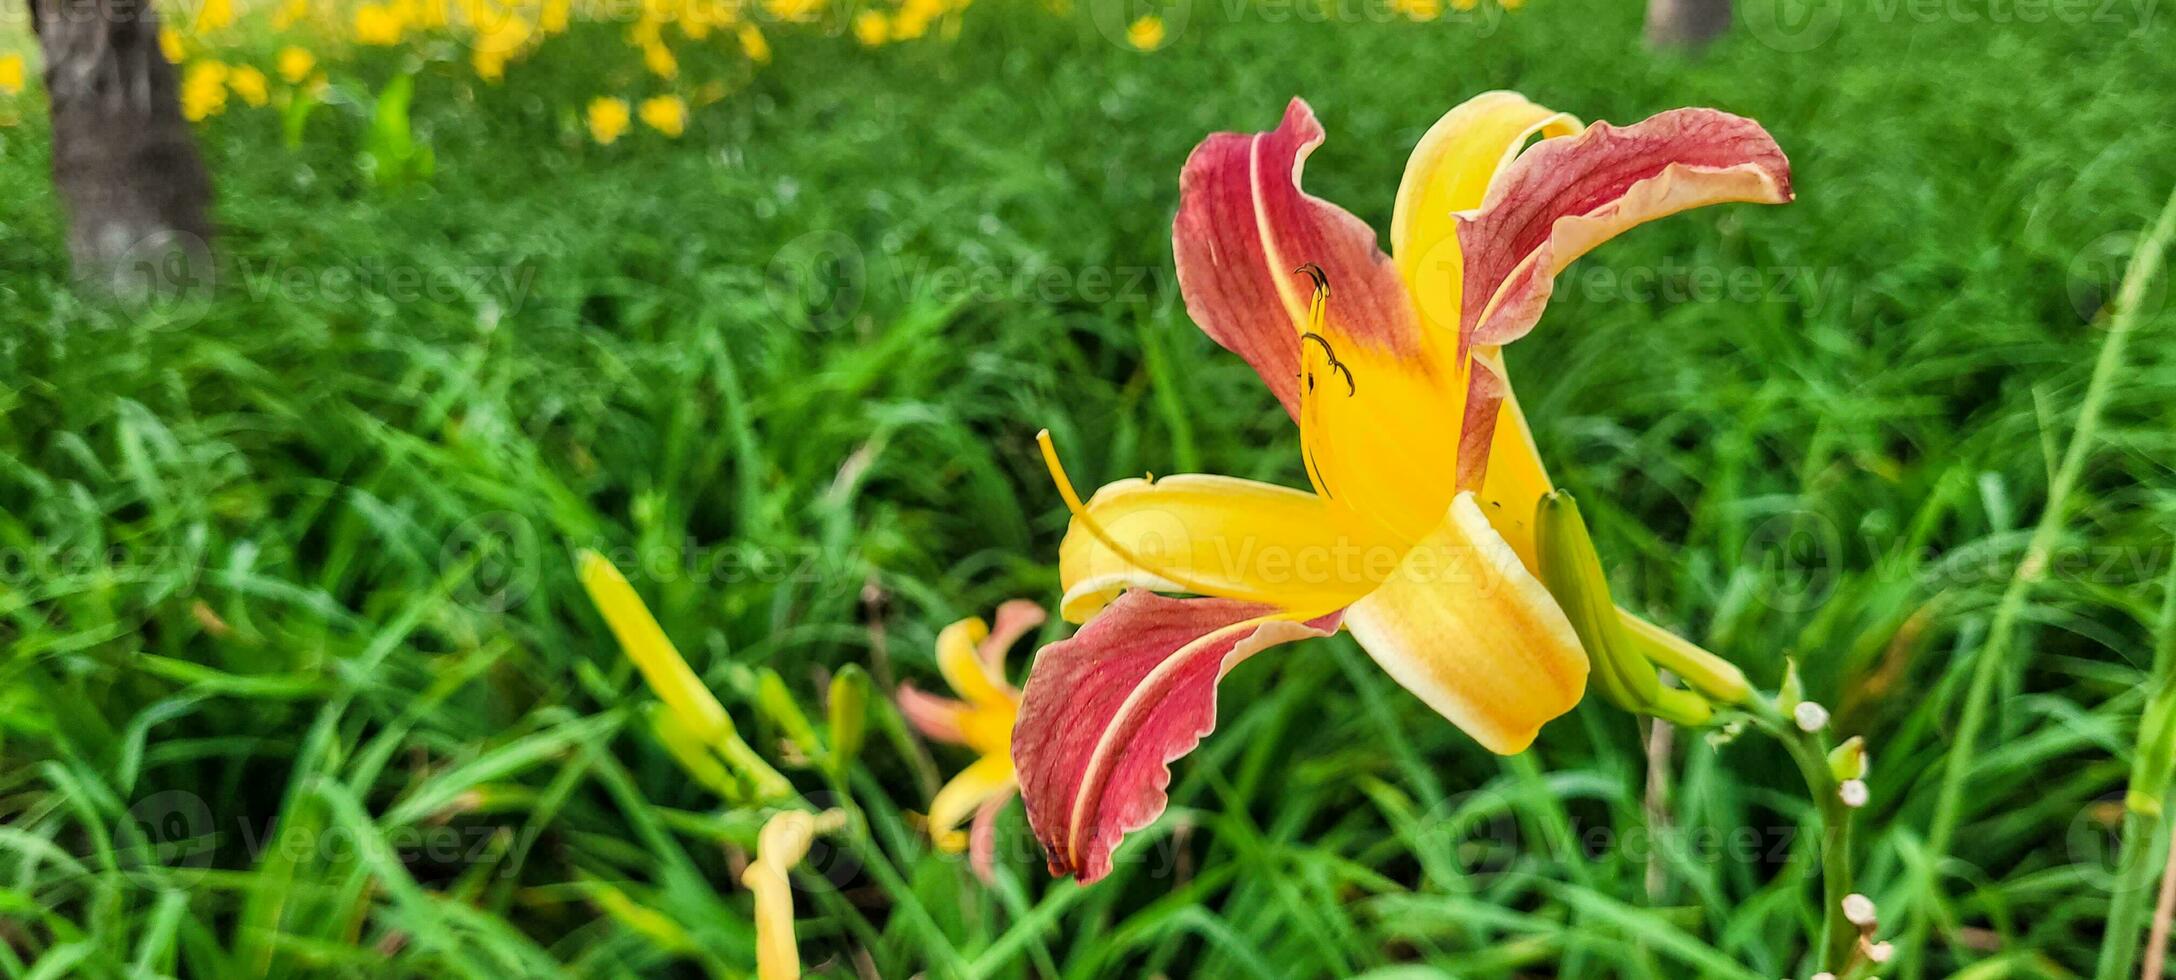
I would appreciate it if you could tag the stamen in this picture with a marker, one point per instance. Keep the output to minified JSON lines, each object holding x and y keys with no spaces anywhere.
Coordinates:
{"x":1095,"y":530}
{"x":1318,"y":310}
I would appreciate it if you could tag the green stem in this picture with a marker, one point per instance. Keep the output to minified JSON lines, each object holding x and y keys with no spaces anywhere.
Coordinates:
{"x":1810,"y":751}
{"x":2143,"y":826}
{"x":2127,"y":907}
{"x":2145,"y":264}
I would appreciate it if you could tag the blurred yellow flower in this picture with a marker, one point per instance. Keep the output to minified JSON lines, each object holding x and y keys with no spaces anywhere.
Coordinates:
{"x":203,"y":90}
{"x":552,"y":19}
{"x":249,"y":83}
{"x":914,"y":18}
{"x":379,"y":24}
{"x":11,"y":74}
{"x":781,"y":844}
{"x":666,"y":113}
{"x":871,"y":29}
{"x":659,"y":60}
{"x":289,"y":14}
{"x":170,"y":45}
{"x":1419,"y":9}
{"x":753,"y":44}
{"x":294,"y":64}
{"x":607,"y":119}
{"x":490,"y":64}
{"x":1146,"y":34}
{"x":971,"y":656}
{"x":793,"y":9}
{"x":213,"y":15}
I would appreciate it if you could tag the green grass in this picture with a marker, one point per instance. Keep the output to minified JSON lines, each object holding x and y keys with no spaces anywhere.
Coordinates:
{"x":297,"y":680}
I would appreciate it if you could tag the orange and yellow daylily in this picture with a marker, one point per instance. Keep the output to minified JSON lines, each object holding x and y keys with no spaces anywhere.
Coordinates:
{"x":1417,"y":533}
{"x":971,"y":656}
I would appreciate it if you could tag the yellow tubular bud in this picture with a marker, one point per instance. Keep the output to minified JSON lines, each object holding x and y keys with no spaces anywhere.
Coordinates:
{"x":1705,"y":672}
{"x":1573,"y":574}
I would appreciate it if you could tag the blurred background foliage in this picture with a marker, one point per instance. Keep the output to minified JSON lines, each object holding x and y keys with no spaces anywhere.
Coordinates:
{"x":288,"y":558}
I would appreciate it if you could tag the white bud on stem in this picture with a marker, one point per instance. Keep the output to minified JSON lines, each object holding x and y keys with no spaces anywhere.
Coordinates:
{"x":1811,"y":717}
{"x":1859,"y":909}
{"x":1853,"y":793}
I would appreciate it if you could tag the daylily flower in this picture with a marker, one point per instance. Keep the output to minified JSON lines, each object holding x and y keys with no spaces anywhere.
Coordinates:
{"x":1418,"y":535}
{"x":971,"y":656}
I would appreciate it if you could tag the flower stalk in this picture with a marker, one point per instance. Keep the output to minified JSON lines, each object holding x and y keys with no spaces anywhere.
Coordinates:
{"x":2153,"y":762}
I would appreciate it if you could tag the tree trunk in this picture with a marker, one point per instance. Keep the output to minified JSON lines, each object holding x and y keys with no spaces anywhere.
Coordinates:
{"x":1686,"y":24}
{"x":124,"y":161}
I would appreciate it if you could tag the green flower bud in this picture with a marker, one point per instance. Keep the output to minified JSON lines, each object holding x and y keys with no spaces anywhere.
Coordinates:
{"x":1572,"y":572}
{"x":848,"y":708}
{"x":1705,"y":672}
{"x":1849,"y":760}
{"x":775,"y":701}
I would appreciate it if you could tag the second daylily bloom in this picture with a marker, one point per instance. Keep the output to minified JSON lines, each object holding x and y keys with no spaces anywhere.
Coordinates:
{"x":971,"y":656}
{"x":1418,"y":535}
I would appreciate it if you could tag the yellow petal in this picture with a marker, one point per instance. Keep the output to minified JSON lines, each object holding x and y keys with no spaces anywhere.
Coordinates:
{"x":1380,"y":434}
{"x":1450,"y":170}
{"x":987,"y":777}
{"x":782,"y":843}
{"x":653,"y":654}
{"x":963,"y":668}
{"x":1516,"y":480}
{"x":1218,"y":536}
{"x":1466,"y":628}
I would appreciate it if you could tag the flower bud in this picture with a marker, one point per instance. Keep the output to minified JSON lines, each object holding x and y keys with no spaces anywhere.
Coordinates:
{"x":1810,"y":716}
{"x":1853,"y":793}
{"x":1849,"y":760}
{"x":1859,"y":910}
{"x":1572,"y":572}
{"x":847,"y":711}
{"x":1705,"y":672}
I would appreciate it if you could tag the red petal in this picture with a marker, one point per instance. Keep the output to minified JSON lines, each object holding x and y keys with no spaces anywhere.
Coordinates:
{"x":1108,"y":710}
{"x":1566,"y":195}
{"x":982,"y":838}
{"x":1014,"y":619}
{"x":935,"y":717}
{"x":1477,"y":430}
{"x":1244,"y":228}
